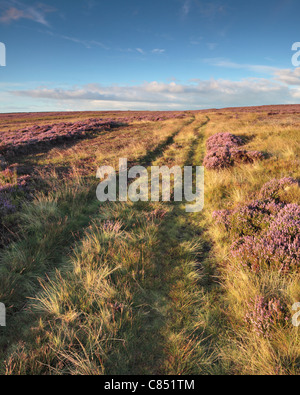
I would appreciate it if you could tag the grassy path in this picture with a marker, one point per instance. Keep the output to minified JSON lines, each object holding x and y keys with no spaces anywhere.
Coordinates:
{"x":172,"y":337}
{"x":131,"y":297}
{"x":52,"y":224}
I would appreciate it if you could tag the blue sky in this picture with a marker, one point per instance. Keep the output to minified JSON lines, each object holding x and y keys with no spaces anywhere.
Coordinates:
{"x":152,"y":55}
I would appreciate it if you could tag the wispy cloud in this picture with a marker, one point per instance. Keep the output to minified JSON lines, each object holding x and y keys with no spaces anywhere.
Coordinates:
{"x":210,"y":9}
{"x":212,"y":46}
{"x":86,"y":43}
{"x":206,"y":9}
{"x":14,"y":10}
{"x":158,"y":51}
{"x":221,"y":62}
{"x":141,"y":51}
{"x":186,"y":7}
{"x":196,"y":40}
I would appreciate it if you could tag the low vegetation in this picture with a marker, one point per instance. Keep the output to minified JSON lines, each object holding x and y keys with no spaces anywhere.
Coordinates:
{"x":146,"y":288}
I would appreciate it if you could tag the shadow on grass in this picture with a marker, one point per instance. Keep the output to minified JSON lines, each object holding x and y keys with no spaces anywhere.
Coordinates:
{"x":152,"y":156}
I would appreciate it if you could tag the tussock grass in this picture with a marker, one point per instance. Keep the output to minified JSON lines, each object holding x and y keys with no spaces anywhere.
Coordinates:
{"x":88,"y":307}
{"x":145,"y":288}
{"x":246,"y":352}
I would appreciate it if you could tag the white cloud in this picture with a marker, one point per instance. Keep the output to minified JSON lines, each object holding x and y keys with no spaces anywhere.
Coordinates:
{"x":159,"y":96}
{"x":287,"y":76}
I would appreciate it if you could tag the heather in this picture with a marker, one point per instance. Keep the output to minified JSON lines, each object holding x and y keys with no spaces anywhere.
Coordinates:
{"x":144,"y":287}
{"x":24,"y":140}
{"x":265,"y":233}
{"x":263,"y":315}
{"x":275,"y":188}
{"x":21,"y":141}
{"x":253,"y":212}
{"x":223,"y":140}
{"x":223,"y":151}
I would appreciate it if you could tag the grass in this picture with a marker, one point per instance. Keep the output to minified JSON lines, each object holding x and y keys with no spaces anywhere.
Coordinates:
{"x":144,"y":288}
{"x":246,"y":352}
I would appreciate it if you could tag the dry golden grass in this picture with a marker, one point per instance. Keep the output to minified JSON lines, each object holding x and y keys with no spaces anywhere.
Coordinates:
{"x":247,"y":352}
{"x":134,"y":288}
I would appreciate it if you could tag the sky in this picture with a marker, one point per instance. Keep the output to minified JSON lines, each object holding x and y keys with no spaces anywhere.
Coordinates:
{"x":147,"y":55}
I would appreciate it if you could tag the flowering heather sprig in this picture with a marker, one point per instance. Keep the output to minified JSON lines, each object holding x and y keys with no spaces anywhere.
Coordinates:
{"x":272,"y":188}
{"x":223,"y":151}
{"x":223,"y":140}
{"x":248,"y":219}
{"x":265,"y":232}
{"x":222,"y":217}
{"x":263,"y":314}
{"x":277,"y":247}
{"x":218,"y":158}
